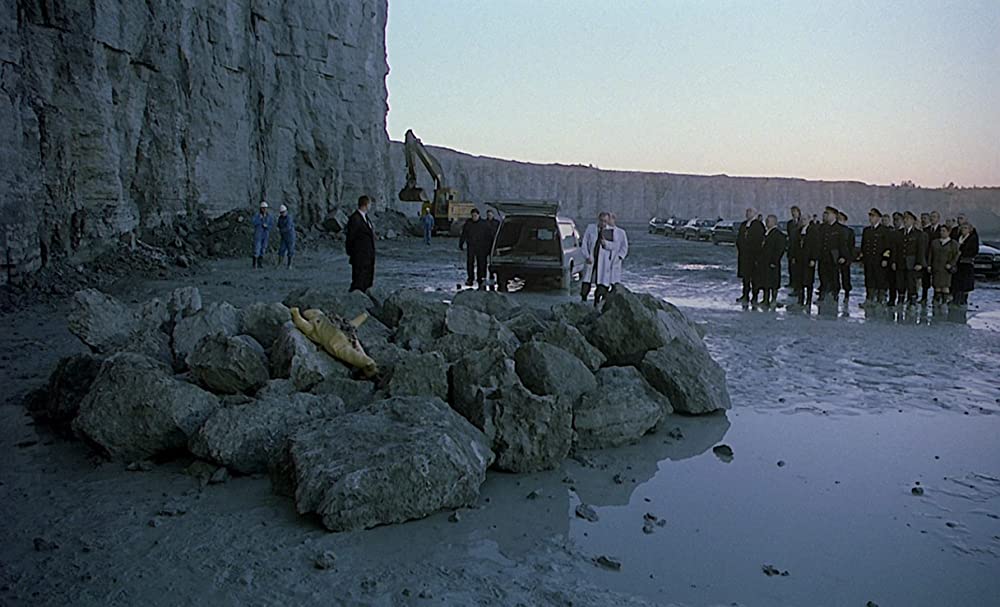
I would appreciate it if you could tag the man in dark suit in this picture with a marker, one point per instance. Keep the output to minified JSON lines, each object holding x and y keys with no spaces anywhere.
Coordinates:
{"x":851,"y":242}
{"x":833,"y":251}
{"x":892,"y":224}
{"x":808,"y":253}
{"x":932,"y":229}
{"x":360,"y":245}
{"x":912,"y":255}
{"x":875,"y":254}
{"x":477,"y":240}
{"x":793,"y":230}
{"x":769,"y":266}
{"x":749,"y":242}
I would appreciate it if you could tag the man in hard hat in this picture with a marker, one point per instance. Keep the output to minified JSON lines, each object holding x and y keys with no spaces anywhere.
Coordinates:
{"x":262,"y":224}
{"x":286,"y":230}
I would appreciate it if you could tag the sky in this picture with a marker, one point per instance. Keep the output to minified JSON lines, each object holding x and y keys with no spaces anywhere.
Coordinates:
{"x":879,"y":92}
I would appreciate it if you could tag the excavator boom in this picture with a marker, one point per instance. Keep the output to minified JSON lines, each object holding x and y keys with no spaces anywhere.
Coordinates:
{"x":415,"y":149}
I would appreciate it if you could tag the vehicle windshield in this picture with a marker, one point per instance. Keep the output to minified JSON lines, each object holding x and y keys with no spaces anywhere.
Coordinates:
{"x":531,"y":236}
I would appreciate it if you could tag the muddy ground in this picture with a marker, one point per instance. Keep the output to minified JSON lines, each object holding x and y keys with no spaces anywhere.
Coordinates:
{"x":837,"y":417}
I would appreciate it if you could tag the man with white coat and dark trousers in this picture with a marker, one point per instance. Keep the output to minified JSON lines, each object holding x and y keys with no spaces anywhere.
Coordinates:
{"x":622,"y":237}
{"x":601,"y":248}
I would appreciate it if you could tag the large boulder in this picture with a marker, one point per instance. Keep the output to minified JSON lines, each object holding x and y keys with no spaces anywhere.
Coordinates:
{"x":215,"y":318}
{"x":163,"y":315}
{"x":100,"y":321}
{"x":418,"y":328}
{"x":490,"y":303}
{"x":248,"y":438}
{"x":525,"y":324}
{"x":58,"y":402}
{"x":577,"y":313}
{"x":396,"y":460}
{"x":263,"y":321}
{"x":295,"y":357}
{"x":332,"y":302}
{"x":229,"y":365}
{"x":420,"y":375}
{"x":136,"y":409}
{"x":688,"y":376}
{"x":630,"y":325}
{"x":566,"y":336}
{"x":407,"y":302}
{"x":622,"y":408}
{"x":454,"y":347}
{"x":460,"y":320}
{"x":528,"y":432}
{"x":547,"y":370}
{"x":355,"y":394}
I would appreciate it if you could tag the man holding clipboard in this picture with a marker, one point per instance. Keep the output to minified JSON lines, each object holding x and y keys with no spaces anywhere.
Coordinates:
{"x":602,"y":248}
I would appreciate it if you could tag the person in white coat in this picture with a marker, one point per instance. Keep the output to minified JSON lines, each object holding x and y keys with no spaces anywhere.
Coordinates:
{"x":601,"y":246}
{"x":622,"y":238}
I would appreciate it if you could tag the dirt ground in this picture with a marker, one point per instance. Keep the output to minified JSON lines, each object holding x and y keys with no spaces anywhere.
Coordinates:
{"x":837,"y":417}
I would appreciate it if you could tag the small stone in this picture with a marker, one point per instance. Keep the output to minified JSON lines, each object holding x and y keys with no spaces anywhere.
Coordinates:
{"x":618,"y":479}
{"x":661,"y":523}
{"x":723,"y":452}
{"x":587,"y":513}
{"x":917,"y":491}
{"x":675,"y":433}
{"x":220,"y":476}
{"x":871,"y":604}
{"x":609,"y":563}
{"x":569,"y":480}
{"x":781,"y":463}
{"x":770,"y":570}
{"x":425,"y":594}
{"x":648,"y":528}
{"x":43,"y":545}
{"x":454,"y":517}
{"x":326,"y":560}
{"x":537,"y":493}
{"x":153,"y":522}
{"x":140,"y":466}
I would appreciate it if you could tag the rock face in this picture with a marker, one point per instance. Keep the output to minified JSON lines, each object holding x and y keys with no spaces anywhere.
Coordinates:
{"x":229,"y":365}
{"x":248,"y":438}
{"x":135,"y":409}
{"x":184,"y":108}
{"x":693,"y":381}
{"x":637,"y":196}
{"x":420,"y":375}
{"x":623,"y":408}
{"x":396,"y":460}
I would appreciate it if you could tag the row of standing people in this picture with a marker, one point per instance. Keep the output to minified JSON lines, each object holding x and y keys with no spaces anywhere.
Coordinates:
{"x":897,"y":256}
{"x":263,"y":224}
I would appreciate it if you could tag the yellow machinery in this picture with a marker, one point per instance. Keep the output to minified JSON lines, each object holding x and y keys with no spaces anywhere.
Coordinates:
{"x":448,"y":210}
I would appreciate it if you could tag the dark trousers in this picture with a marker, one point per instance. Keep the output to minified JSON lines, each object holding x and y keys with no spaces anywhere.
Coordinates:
{"x":925,"y":283}
{"x":599,"y":293}
{"x":910,"y":280}
{"x":794,"y":272}
{"x":829,"y":278}
{"x":845,"y":277}
{"x":362,"y":275}
{"x":475,"y":265}
{"x":891,"y":282}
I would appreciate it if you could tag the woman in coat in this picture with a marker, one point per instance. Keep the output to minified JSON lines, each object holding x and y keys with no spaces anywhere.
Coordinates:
{"x":943,"y":261}
{"x":964,"y":279}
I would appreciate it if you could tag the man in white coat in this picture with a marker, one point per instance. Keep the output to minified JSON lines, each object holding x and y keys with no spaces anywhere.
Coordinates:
{"x":622,"y":238}
{"x":601,"y":246}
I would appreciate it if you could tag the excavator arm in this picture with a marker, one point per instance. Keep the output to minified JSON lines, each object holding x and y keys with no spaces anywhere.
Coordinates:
{"x":415,"y":150}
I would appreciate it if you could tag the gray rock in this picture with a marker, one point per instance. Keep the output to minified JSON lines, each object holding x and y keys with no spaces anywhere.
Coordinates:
{"x":295,"y":357}
{"x":532,"y":432}
{"x":355,"y":394}
{"x":249,"y":438}
{"x":263,"y":322}
{"x":688,"y":376}
{"x":490,"y":303}
{"x":569,"y":338}
{"x":576,"y":313}
{"x":454,"y":347}
{"x":623,"y":408}
{"x":418,"y":327}
{"x":183,"y":302}
{"x":473,"y":376}
{"x":212,"y":319}
{"x":59,"y":401}
{"x":548,"y":370}
{"x":460,"y":320}
{"x":408,"y":302}
{"x":396,"y":460}
{"x":229,"y":365}
{"x":135,"y":409}
{"x":100,"y":321}
{"x":420,"y":375}
{"x":630,"y":325}
{"x":332,"y":302}
{"x":373,"y":334}
{"x":525,"y":324}
{"x":276,"y":388}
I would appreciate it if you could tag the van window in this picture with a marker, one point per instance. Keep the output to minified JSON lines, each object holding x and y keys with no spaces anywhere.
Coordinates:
{"x":568,"y":234}
{"x":527,"y":236}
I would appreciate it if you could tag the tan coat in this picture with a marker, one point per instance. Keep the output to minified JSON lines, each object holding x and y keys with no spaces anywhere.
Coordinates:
{"x":943,"y":258}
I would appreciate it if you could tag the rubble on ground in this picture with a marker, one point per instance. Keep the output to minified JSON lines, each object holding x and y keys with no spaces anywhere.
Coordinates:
{"x":463,"y":386}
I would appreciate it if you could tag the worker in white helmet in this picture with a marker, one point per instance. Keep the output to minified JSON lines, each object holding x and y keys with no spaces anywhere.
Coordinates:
{"x":286,"y":230}
{"x":262,"y":224}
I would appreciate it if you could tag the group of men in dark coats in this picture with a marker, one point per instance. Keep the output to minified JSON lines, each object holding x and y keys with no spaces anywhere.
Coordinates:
{"x":895,"y":254}
{"x":477,"y":240}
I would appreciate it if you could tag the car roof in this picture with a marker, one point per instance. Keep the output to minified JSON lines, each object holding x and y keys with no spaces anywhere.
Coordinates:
{"x":547,"y":208}
{"x":989,"y":249}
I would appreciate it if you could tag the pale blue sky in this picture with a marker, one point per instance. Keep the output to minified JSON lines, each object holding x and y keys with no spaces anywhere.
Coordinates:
{"x":871,"y":91}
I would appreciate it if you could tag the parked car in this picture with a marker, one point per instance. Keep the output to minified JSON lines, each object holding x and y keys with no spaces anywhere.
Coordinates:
{"x":535,"y":243}
{"x":699,"y":229}
{"x":987,"y":262}
{"x":658,"y":225}
{"x":675,"y":227}
{"x":725,"y":231}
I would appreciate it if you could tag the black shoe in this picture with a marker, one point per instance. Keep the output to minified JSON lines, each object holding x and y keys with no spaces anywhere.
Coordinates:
{"x":469,"y":282}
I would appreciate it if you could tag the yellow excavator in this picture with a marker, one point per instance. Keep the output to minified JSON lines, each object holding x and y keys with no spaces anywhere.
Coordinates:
{"x":448,"y":211}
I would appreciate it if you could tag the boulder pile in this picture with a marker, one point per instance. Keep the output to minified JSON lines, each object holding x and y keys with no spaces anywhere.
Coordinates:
{"x":465,"y":385}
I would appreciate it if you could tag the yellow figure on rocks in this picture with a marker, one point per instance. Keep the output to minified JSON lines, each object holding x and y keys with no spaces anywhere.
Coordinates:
{"x":315,"y":325}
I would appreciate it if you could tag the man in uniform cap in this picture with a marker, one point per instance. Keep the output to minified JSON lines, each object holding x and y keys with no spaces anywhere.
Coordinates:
{"x":912,"y":255}
{"x":833,"y":248}
{"x":850,"y":240}
{"x":749,"y":244}
{"x":932,"y":228}
{"x":875,"y":257}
